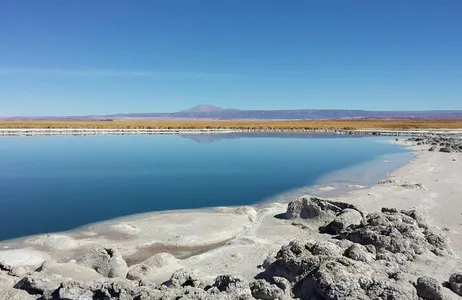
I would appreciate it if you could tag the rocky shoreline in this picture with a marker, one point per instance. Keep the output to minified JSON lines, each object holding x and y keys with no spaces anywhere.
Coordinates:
{"x":367,"y":258}
{"x":340,"y":252}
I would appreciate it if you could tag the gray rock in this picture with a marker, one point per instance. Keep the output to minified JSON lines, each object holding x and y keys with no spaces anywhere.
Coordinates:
{"x":446,"y":150}
{"x":262,"y":289}
{"x":293,"y":262}
{"x":397,"y":233}
{"x":282,"y":283}
{"x":455,"y":282}
{"x":8,"y":293}
{"x":312,"y":208}
{"x":348,"y":217}
{"x":360,"y":253}
{"x":236,"y":285}
{"x":429,"y":288}
{"x":326,"y":248}
{"x":117,"y":288}
{"x":74,"y":291}
{"x":433,"y":148}
{"x":106,"y":261}
{"x":342,"y":279}
{"x":38,"y":286}
{"x":183,"y":278}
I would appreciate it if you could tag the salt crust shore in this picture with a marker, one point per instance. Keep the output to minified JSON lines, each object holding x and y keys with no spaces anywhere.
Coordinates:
{"x":235,"y":240}
{"x":88,"y":131}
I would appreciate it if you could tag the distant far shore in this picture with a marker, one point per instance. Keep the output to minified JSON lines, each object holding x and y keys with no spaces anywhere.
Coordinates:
{"x":198,"y":131}
{"x":356,"y":126}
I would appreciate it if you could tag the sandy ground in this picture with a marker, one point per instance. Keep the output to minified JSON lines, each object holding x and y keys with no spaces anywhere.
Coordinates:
{"x":237,"y":240}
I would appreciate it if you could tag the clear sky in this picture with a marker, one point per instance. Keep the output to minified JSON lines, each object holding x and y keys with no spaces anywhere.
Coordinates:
{"x":74,"y":57}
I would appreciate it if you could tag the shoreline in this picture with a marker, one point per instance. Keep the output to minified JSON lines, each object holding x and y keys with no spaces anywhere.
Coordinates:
{"x":92,"y":132}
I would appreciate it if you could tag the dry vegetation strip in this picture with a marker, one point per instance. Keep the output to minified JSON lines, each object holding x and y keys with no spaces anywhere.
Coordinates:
{"x":300,"y":125}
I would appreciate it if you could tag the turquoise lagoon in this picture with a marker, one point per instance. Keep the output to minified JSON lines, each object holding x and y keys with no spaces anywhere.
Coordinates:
{"x":56,"y":183}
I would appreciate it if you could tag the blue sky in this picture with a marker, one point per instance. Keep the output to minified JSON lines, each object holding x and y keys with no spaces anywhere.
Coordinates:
{"x":79,"y":57}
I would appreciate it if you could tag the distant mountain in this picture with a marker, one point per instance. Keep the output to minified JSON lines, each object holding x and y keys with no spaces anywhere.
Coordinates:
{"x":213,"y":112}
{"x":202,"y":109}
{"x":218,"y":113}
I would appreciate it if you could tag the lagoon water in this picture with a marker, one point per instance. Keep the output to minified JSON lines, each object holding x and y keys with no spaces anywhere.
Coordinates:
{"x":56,"y":183}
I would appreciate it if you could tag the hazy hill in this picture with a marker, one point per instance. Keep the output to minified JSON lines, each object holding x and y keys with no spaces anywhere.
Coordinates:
{"x":215,"y":112}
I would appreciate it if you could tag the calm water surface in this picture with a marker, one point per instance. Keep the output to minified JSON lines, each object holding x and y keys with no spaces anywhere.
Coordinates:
{"x":50,"y":184}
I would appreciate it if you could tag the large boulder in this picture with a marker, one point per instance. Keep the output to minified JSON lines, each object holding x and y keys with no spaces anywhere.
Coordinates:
{"x":348,"y":217}
{"x":261,"y":289}
{"x":116,"y":288}
{"x":446,"y":150}
{"x":400,"y":233}
{"x":106,"y":261}
{"x":455,"y":282}
{"x":362,"y":253}
{"x":237,"y":286}
{"x":74,"y":291}
{"x":340,"y":279}
{"x":314,"y":208}
{"x":429,"y":288}
{"x":183,"y":278}
{"x":343,"y":278}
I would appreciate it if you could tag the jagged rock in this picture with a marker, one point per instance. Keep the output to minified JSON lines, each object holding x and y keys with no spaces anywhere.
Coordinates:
{"x":348,"y":217}
{"x":340,"y":279}
{"x":433,"y":148}
{"x":282,"y":283}
{"x":419,"y":217}
{"x":429,"y":288}
{"x":232,"y":284}
{"x":74,"y":291}
{"x":398,"y":233}
{"x":325,"y":248}
{"x":446,"y":150}
{"x":268,"y":261}
{"x":116,"y":288}
{"x":8,"y":293}
{"x":343,"y":278}
{"x":151,"y":265}
{"x":312,"y":208}
{"x":386,"y":181}
{"x":293,"y":262}
{"x":20,"y":271}
{"x":361,"y":253}
{"x":413,"y":186}
{"x":38,"y":286}
{"x":182,"y":278}
{"x":455,"y":282}
{"x":106,"y":261}
{"x":262,"y":289}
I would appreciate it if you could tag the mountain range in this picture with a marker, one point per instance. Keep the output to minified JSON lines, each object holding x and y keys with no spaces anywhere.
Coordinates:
{"x":218,"y":113}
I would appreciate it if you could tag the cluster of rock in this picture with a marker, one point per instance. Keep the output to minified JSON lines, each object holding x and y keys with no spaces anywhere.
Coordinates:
{"x":362,"y":257}
{"x":447,"y":144}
